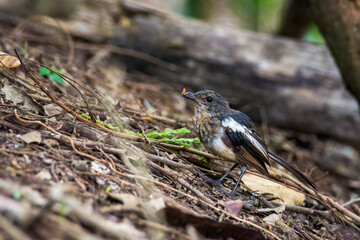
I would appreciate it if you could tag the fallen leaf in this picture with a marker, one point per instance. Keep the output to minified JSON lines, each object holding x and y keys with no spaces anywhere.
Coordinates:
{"x":52,"y":109}
{"x":234,"y":207}
{"x":16,"y":95}
{"x":262,"y":185}
{"x":34,"y":136}
{"x":8,"y":61}
{"x":272,"y":218}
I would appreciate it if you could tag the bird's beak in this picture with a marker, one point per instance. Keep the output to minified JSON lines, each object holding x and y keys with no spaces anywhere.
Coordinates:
{"x":189,"y":95}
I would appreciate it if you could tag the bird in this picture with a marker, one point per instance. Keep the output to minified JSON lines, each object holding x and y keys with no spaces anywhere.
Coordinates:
{"x":231,"y":135}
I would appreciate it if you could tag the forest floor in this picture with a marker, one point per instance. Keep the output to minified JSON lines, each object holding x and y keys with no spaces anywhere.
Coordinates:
{"x":128,"y":175}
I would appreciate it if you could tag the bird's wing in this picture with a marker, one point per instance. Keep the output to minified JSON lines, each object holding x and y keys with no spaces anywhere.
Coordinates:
{"x":247,"y":143}
{"x":242,"y":118}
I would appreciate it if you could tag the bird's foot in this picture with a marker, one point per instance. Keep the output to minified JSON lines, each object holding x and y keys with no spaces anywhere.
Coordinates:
{"x":217,"y":184}
{"x":212,"y":181}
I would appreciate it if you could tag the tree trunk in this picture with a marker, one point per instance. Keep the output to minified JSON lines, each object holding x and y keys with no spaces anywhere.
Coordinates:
{"x":339,"y":22}
{"x":297,"y":19}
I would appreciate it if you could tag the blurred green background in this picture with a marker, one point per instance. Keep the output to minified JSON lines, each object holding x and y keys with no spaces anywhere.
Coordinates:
{"x":255,"y":15}
{"x":267,"y":16}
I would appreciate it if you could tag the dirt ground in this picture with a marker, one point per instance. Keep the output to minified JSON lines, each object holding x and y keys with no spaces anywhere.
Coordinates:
{"x":65,"y":176}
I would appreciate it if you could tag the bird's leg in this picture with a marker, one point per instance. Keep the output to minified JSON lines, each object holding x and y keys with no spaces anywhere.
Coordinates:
{"x":218,"y":182}
{"x":243,"y":170}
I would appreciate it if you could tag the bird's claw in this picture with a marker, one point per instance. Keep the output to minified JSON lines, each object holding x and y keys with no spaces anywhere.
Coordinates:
{"x":219,"y":187}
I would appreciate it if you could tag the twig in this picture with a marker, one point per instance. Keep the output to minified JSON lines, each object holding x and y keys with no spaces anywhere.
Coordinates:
{"x":169,"y":121}
{"x":351,"y":202}
{"x":297,"y":209}
{"x":308,"y":211}
{"x":50,"y":95}
{"x":171,"y":163}
{"x":161,"y":227}
{"x":329,"y":201}
{"x":13,"y":232}
{"x":93,"y":219}
{"x":182,"y":181}
{"x":302,"y":232}
{"x":160,"y":184}
{"x":70,"y":228}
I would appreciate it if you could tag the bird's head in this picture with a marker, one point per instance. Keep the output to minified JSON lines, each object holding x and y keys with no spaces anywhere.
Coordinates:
{"x":208,"y":100}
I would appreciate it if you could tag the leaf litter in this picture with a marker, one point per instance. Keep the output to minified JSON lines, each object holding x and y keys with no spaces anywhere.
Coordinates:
{"x":110,"y":173}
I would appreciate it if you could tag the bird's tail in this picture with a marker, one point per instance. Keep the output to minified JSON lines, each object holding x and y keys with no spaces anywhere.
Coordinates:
{"x":293,"y":170}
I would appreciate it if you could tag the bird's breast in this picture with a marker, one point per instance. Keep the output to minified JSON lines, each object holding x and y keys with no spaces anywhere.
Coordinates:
{"x":211,"y":133}
{"x":207,"y":128}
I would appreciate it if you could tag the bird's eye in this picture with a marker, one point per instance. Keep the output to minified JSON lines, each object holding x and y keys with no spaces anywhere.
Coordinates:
{"x":209,"y":99}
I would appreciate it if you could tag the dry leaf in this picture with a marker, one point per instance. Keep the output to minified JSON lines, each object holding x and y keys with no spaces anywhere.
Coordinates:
{"x":16,"y":95}
{"x":234,"y":207}
{"x":8,"y":61}
{"x":272,"y":218}
{"x":31,"y":137}
{"x":52,"y":109}
{"x":262,"y":185}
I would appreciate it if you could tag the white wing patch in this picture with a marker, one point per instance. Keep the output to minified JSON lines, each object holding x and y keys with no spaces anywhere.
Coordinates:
{"x":221,"y":149}
{"x":233,"y":125}
{"x":229,"y":122}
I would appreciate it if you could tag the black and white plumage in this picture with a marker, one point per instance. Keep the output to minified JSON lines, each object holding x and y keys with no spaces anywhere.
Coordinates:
{"x":245,"y":139}
{"x":231,"y":134}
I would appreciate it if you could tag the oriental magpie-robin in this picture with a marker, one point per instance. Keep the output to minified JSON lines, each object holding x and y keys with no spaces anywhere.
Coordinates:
{"x":231,"y":134}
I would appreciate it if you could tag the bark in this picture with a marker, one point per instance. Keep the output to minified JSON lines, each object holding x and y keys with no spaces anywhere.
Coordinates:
{"x":297,"y":19}
{"x":339,"y":22}
{"x":297,"y":83}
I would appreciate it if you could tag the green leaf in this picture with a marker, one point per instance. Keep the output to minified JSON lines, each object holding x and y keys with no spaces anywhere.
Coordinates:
{"x":167,"y":134}
{"x":44,"y":72}
{"x":108,"y":189}
{"x":169,"y":137}
{"x":9,"y":168}
{"x":17,"y":194}
{"x":133,"y":133}
{"x":100,"y":122}
{"x":63,"y":211}
{"x":57,"y":78}
{"x":313,"y":35}
{"x":86,"y":116}
{"x":56,"y":70}
{"x":204,"y":159}
{"x":288,"y":224}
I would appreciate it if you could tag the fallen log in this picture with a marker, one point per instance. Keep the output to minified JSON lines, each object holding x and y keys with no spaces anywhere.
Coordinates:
{"x":297,"y":83}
